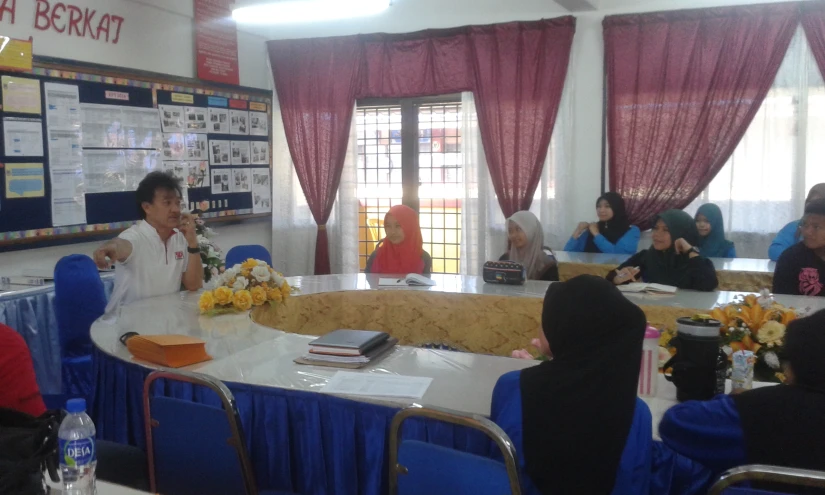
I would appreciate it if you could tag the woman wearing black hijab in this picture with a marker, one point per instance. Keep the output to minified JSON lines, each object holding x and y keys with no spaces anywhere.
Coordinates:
{"x":779,"y":425}
{"x":612,"y":234}
{"x":575,"y":420}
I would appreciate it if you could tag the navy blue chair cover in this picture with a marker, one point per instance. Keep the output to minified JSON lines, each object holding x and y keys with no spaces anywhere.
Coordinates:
{"x":418,"y":467}
{"x":196,"y":448}
{"x":239,"y":254}
{"x":79,"y":300}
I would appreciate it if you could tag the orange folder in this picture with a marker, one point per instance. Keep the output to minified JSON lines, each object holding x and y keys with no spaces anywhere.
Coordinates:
{"x":173,"y":351}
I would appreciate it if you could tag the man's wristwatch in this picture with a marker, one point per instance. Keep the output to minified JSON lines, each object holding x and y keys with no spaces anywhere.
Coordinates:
{"x":693,"y":249}
{"x":194,"y":250}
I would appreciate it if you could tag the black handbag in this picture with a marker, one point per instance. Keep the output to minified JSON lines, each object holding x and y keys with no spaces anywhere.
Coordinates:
{"x":504,"y":272}
{"x":28,"y":447}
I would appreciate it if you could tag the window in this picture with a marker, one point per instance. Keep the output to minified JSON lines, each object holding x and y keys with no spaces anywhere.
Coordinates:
{"x":426,"y":176}
{"x":763,"y":185}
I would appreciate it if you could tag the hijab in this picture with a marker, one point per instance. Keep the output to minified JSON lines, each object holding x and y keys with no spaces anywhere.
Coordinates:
{"x":714,"y":245}
{"x":404,"y":257}
{"x":783,"y":424}
{"x":613,"y":229}
{"x":532,"y":255}
{"x":667,"y":267}
{"x":577,"y":409}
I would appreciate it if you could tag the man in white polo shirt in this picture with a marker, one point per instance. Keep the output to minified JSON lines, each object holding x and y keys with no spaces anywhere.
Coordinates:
{"x":158,"y":253}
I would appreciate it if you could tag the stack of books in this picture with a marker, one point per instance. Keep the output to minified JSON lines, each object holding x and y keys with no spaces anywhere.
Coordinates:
{"x":351,"y":349}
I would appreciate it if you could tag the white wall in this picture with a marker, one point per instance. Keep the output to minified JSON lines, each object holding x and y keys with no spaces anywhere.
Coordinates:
{"x":156,"y":36}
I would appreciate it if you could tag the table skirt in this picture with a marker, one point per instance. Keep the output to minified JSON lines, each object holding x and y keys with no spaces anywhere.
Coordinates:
{"x":305,"y":442}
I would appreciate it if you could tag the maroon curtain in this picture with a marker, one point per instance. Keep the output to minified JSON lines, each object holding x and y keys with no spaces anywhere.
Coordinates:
{"x":516,"y":70}
{"x":682,"y":88}
{"x":813,"y":20}
{"x":423,"y":63}
{"x":316,"y":81}
{"x":519,"y":72}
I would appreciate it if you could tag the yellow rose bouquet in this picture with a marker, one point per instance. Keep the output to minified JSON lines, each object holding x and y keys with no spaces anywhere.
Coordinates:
{"x":251,"y":283}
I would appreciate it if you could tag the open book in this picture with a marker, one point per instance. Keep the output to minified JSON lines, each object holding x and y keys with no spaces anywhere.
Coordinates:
{"x":411,"y":279}
{"x":648,"y":288}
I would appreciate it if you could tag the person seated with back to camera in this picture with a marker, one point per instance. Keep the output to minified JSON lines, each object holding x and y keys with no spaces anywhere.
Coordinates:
{"x":612,"y":234}
{"x":672,"y":259}
{"x":402,"y":250}
{"x":575,"y":420}
{"x":158,"y":253}
{"x":778,"y":425}
{"x":527,"y":247}
{"x":711,"y":227}
{"x":800,"y":270}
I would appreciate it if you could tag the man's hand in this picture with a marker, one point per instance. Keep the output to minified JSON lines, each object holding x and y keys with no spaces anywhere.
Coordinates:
{"x":626,"y":274}
{"x":105,"y":256}
{"x":116,"y":249}
{"x":594,"y":229}
{"x":187,"y":228}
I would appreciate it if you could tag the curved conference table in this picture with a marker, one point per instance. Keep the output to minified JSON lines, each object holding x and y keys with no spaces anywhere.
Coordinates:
{"x":310,"y":442}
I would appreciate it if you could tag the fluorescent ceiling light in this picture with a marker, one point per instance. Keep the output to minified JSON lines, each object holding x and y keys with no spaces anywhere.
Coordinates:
{"x":291,"y":11}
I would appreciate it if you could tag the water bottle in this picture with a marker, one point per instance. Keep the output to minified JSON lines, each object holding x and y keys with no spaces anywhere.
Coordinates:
{"x":78,"y":457}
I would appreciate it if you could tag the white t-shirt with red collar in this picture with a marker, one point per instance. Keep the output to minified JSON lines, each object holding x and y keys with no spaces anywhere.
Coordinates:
{"x":153,"y":268}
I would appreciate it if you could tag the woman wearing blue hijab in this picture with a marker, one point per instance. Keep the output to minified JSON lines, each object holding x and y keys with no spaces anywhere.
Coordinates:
{"x":711,"y":227}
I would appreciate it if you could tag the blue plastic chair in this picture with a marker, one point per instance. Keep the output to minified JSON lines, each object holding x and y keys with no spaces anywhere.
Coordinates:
{"x":195,"y":448}
{"x":79,"y":300}
{"x":239,"y":254}
{"x":419,"y":468}
{"x":774,"y":475}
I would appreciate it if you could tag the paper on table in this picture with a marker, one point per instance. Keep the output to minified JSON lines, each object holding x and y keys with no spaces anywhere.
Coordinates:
{"x":349,"y":383}
{"x":23,"y":137}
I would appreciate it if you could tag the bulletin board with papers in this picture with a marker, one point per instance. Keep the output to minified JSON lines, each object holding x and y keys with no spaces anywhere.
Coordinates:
{"x":76,"y":144}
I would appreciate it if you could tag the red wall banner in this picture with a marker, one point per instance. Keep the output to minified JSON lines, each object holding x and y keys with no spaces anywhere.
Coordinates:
{"x":216,"y":41}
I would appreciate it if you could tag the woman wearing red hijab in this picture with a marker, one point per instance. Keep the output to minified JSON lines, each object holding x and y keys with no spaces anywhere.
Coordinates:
{"x":401,"y":251}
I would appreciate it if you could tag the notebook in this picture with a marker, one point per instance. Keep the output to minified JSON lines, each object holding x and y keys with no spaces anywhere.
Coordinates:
{"x":347,"y":342}
{"x":638,"y":287}
{"x":173,"y":351}
{"x":349,"y":362}
{"x":411,"y":279}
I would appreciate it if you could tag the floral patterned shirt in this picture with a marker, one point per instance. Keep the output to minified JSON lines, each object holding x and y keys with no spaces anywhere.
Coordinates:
{"x":799,"y":272}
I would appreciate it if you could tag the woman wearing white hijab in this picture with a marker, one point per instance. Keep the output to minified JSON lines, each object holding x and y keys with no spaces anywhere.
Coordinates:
{"x":527,"y":247}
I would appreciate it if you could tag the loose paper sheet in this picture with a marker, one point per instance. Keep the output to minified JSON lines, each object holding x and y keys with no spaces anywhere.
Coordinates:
{"x":23,"y":137}
{"x":349,"y":383}
{"x":21,"y":94}
{"x":24,"y":180}
{"x":261,"y":191}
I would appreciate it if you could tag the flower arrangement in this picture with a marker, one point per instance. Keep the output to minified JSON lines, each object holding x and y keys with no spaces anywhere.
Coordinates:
{"x":251,"y":283}
{"x":753,"y":323}
{"x":211,"y":254}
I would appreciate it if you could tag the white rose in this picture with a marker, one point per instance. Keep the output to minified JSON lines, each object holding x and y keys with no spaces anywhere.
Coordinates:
{"x":240,"y":283}
{"x":202,"y":240}
{"x":279,"y":280}
{"x":237,"y":268}
{"x":228,"y":277}
{"x":212,"y":253}
{"x":262,"y":263}
{"x":260,"y":273}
